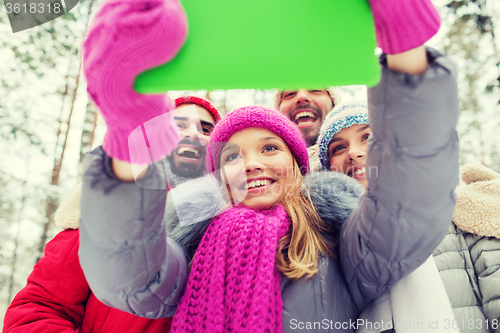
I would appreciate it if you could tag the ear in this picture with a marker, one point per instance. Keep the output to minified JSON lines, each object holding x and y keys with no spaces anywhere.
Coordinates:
{"x":475,"y":172}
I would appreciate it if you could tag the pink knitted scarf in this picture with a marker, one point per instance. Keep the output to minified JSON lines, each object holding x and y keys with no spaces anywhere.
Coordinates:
{"x":234,"y":283}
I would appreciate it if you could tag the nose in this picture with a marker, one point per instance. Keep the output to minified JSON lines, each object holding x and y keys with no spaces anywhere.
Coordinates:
{"x":355,"y":153}
{"x":191,"y":132}
{"x":253,"y":164}
{"x":302,"y":97}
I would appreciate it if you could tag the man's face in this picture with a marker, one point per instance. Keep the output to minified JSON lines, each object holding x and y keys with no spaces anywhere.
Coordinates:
{"x":195,"y":124}
{"x":308,"y":109}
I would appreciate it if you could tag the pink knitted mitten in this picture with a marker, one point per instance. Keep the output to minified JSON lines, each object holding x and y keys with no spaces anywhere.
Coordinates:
{"x":127,"y":37}
{"x":402,"y":25}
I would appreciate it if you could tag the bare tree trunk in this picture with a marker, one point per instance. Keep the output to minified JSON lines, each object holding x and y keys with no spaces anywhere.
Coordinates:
{"x":88,"y":133}
{"x":223,"y":106}
{"x":59,"y":121}
{"x":16,"y":245}
{"x":51,"y":204}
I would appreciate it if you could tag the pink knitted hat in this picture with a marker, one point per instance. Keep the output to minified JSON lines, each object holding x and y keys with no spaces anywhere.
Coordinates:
{"x":200,"y":102}
{"x":258,"y":116}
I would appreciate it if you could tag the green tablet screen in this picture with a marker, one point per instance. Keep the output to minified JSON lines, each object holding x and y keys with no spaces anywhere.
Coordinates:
{"x":265,"y":44}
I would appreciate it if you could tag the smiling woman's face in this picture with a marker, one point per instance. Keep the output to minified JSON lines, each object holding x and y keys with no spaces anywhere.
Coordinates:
{"x":347,"y":152}
{"x":257,"y":166}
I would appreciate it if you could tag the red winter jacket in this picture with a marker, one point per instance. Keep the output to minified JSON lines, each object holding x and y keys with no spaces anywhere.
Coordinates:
{"x":57,"y":298}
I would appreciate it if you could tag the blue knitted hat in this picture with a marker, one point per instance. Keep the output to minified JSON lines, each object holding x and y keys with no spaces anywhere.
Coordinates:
{"x":344,"y":115}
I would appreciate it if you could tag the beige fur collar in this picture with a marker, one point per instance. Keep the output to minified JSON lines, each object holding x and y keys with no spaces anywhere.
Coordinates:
{"x":68,"y":214}
{"x":478,"y":201}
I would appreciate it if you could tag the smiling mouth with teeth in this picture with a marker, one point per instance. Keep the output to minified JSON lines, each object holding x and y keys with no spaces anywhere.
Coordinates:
{"x":305,"y":116}
{"x":358,"y":172}
{"x":189,"y":152}
{"x":257,"y":183}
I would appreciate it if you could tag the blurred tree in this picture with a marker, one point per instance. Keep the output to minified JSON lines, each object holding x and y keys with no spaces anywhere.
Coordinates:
{"x":39,"y":78}
{"x":88,"y":133}
{"x":52,"y":202}
{"x":471,"y":42}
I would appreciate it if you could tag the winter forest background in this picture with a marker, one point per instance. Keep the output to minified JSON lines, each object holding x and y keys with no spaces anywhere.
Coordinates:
{"x":48,"y":123}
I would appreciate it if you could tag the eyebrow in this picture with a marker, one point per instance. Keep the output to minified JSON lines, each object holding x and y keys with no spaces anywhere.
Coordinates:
{"x":335,"y":140}
{"x":206,"y":123}
{"x":362,"y":128}
{"x":358,"y":131}
{"x":202,"y":122}
{"x":231,"y":146}
{"x":267,"y":138}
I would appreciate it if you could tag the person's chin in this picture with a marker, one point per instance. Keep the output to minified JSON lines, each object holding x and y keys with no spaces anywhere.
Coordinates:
{"x":311,"y":136}
{"x":363,"y":181}
{"x":189,"y":170}
{"x":260,"y":202}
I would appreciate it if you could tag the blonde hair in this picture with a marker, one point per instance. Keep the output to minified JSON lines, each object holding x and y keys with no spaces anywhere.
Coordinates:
{"x":299,"y":251}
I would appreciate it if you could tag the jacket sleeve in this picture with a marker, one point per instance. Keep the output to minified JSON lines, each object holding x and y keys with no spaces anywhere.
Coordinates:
{"x":56,"y":293}
{"x":485,"y":253}
{"x":123,"y":252}
{"x":412,"y":170}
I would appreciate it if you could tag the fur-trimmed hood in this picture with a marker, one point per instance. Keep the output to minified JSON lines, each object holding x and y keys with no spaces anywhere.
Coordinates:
{"x":192,"y":205}
{"x":478,"y":201}
{"x":201,"y":199}
{"x":477,"y":210}
{"x":67,"y":216}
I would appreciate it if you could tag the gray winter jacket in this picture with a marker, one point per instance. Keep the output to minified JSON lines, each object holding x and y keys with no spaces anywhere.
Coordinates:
{"x":130,"y":264}
{"x":468,"y":258}
{"x":470,"y":266}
